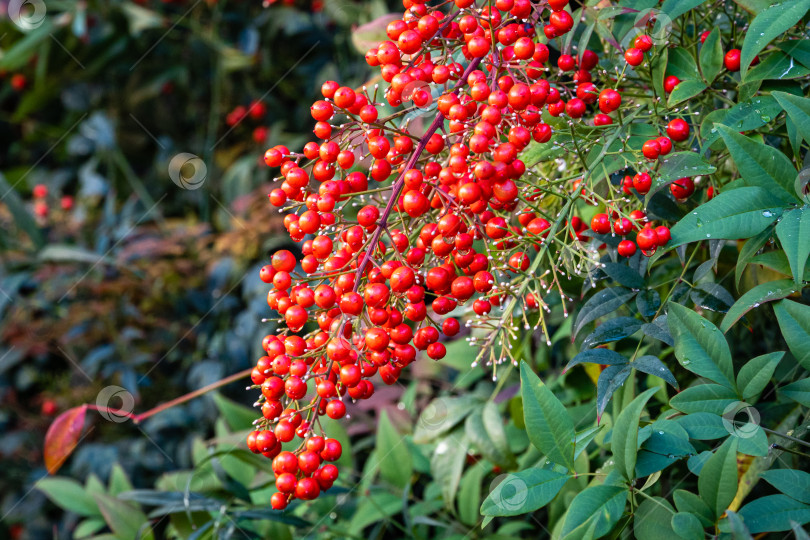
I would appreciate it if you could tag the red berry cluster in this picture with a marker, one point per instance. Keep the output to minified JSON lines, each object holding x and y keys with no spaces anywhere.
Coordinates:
{"x":445,"y":222}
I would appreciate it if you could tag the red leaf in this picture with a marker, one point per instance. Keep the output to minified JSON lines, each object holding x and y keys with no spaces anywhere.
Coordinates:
{"x":63,"y":436}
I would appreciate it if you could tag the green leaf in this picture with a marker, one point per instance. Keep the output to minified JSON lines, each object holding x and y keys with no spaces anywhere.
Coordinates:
{"x":441,"y":415}
{"x":710,"y":398}
{"x":717,"y":483}
{"x":610,"y":379}
{"x":393,"y":455}
{"x":798,"y":391}
{"x":744,"y":116}
{"x":374,"y":508}
{"x":523,"y":492}
{"x":676,"y":8}
{"x":798,"y":49}
{"x":775,"y":66}
{"x":612,"y":330}
{"x":738,"y":213}
{"x":548,"y":425}
{"x":794,"y":234}
{"x":748,"y":251}
{"x":703,"y":426}
{"x":469,"y":492}
{"x":687,"y":526}
{"x":768,"y":24}
{"x":125,"y":520}
{"x":798,"y":109}
{"x":699,"y":346}
{"x":484,"y":429}
{"x":794,"y":321}
{"x":447,"y":464}
{"x":756,"y":373}
{"x":711,"y":56}
{"x":597,"y":509}
{"x":738,"y":529}
{"x":676,"y":166}
{"x":119,"y":482}
{"x":774,"y":513}
{"x":88,"y":527}
{"x":682,"y":64}
{"x":21,"y":52}
{"x":236,"y":415}
{"x":760,"y":164}
{"x":686,"y":501}
{"x":751,"y":440}
{"x":651,"y":365}
{"x":791,"y":482}
{"x":68,"y":494}
{"x":596,"y":356}
{"x":648,"y":301}
{"x":624,"y":441}
{"x":600,"y":304}
{"x":653,"y":519}
{"x":623,"y":275}
{"x":756,"y":296}
{"x":685,"y":90}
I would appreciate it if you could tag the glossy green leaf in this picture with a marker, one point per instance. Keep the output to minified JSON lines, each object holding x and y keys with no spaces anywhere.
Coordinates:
{"x":548,"y":425}
{"x":735,"y":214}
{"x":610,"y":379}
{"x":689,"y":502}
{"x":755,"y":374}
{"x":651,"y":365}
{"x":612,"y":330}
{"x":767,"y":25}
{"x":703,"y":426}
{"x":717,"y":483}
{"x":751,"y":440}
{"x":699,"y":346}
{"x":600,"y":304}
{"x":710,"y":398}
{"x":711,"y":56}
{"x":794,"y":321}
{"x":760,"y":164}
{"x":798,"y":391}
{"x":798,"y":109}
{"x":775,"y":66}
{"x":685,"y":90}
{"x":653,"y":519}
{"x":748,"y":251}
{"x":755,"y":297}
{"x":393,"y":455}
{"x":744,"y":116}
{"x":624,"y":442}
{"x":793,"y":231}
{"x":237,"y":416}
{"x":596,"y":509}
{"x":597,"y":356}
{"x":687,"y":526}
{"x":791,"y":482}
{"x":523,"y":492}
{"x":774,"y":513}
{"x":623,"y":275}
{"x":648,"y":301}
{"x":678,"y":165}
{"x":682,"y":64}
{"x":798,"y":49}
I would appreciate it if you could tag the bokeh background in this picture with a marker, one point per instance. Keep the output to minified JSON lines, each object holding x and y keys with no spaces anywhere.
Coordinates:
{"x":111,"y":273}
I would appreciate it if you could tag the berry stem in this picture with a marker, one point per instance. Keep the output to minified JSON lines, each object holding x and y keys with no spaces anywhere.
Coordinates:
{"x":396,"y":188}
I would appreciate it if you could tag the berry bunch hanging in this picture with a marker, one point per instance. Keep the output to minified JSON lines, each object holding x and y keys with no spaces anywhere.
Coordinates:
{"x":409,"y":230}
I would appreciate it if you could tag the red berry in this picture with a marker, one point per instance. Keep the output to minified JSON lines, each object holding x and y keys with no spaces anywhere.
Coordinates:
{"x":678,"y":130}
{"x":634,"y":56}
{"x":670,"y":83}
{"x":651,"y":149}
{"x":627,"y":248}
{"x":682,"y":188}
{"x":732,"y":60}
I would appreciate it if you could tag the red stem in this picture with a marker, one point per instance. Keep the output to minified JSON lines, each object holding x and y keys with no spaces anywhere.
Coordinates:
{"x":396,"y":188}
